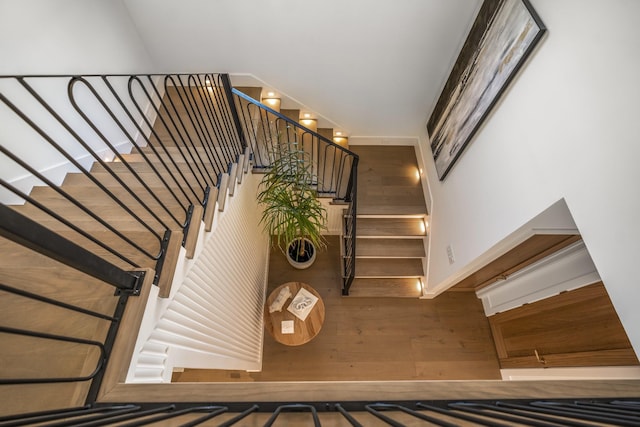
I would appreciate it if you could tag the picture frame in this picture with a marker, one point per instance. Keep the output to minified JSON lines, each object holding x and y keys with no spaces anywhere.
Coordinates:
{"x":503,"y":35}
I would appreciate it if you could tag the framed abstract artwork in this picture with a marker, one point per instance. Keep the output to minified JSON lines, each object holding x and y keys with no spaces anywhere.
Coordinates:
{"x":502,"y":36}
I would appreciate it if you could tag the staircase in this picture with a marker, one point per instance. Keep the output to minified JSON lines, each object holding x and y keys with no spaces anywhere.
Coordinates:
{"x":391,"y":223}
{"x":153,"y":210}
{"x":149,"y":210}
{"x":392,"y":215}
{"x":158,"y":228}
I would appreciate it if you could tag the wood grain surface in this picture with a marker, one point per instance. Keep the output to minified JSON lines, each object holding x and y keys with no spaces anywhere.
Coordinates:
{"x":303,"y":330}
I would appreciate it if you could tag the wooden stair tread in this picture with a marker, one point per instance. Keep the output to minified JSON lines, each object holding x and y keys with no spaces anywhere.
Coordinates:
{"x":202,"y":160}
{"x":152,"y":181}
{"x":385,"y":287}
{"x":175,"y":151}
{"x":33,"y":272}
{"x":207,"y":155}
{"x":150,"y":178}
{"x":84,"y":187}
{"x":390,"y":248}
{"x":108,"y":210}
{"x":143,"y":239}
{"x":389,"y":267}
{"x":390,"y":227}
{"x":94,"y":193}
{"x":391,"y":206}
{"x":389,"y":180}
{"x":200,"y":173}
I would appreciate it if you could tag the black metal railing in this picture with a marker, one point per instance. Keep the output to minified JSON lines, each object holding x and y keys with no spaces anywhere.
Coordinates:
{"x":55,"y":320}
{"x":103,"y":216}
{"x":75,"y":245}
{"x":334,"y":168}
{"x":349,"y":236}
{"x":266,"y":129}
{"x":181,"y":132}
{"x":548,"y":413}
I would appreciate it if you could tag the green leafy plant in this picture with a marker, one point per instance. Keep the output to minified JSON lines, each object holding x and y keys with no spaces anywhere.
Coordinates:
{"x":292,"y":210}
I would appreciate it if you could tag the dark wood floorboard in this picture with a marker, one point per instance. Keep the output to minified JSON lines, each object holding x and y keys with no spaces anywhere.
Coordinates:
{"x":373,"y":338}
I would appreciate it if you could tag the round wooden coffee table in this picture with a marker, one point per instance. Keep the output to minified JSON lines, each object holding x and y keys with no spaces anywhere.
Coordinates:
{"x":303,"y":331}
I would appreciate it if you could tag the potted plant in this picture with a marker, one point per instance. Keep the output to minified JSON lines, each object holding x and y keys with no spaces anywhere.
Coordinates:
{"x":292,"y":214}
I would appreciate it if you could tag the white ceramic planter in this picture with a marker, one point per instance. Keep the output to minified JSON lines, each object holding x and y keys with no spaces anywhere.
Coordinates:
{"x":301,"y":265}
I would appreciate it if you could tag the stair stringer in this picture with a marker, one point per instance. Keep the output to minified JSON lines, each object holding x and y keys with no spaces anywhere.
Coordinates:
{"x":191,"y":326}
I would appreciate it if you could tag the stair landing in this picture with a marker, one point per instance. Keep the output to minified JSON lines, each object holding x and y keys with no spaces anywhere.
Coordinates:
{"x":389,"y":181}
{"x":390,"y":227}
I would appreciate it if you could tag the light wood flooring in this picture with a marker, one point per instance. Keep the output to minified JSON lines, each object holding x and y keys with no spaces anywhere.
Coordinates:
{"x":31,"y":357}
{"x":387,"y":181}
{"x":373,"y":338}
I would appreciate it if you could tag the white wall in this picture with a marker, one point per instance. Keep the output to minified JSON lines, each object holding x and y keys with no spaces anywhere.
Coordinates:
{"x":69,"y":37}
{"x":568,"y":128}
{"x":60,"y":37}
{"x":358,"y":62}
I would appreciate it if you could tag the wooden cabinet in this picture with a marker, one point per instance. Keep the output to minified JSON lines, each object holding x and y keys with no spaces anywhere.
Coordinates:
{"x":526,"y":253}
{"x":576,"y":328}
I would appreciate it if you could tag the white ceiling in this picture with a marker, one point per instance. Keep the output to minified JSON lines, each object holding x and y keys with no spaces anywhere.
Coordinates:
{"x":374,"y":67}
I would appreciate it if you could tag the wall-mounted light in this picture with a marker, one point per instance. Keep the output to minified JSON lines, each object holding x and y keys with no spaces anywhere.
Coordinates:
{"x":307,"y":115}
{"x":272,"y":101}
{"x":423,"y":227}
{"x":338,"y":133}
{"x":271,"y":94}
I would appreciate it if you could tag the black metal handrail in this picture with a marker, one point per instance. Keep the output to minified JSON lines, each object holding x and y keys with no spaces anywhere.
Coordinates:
{"x":332,"y":164}
{"x":349,"y":227}
{"x":60,"y":253}
{"x":183,"y":136}
{"x":182,"y":132}
{"x":397,"y":414}
{"x":334,"y":167}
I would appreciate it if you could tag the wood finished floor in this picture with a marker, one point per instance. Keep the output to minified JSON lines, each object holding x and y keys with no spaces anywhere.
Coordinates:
{"x":447,"y":338}
{"x":31,"y":357}
{"x":387,"y":181}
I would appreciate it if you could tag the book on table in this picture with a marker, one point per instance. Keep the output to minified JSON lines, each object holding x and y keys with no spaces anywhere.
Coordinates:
{"x":302,"y":304}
